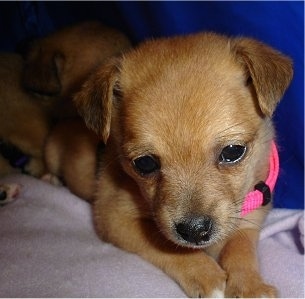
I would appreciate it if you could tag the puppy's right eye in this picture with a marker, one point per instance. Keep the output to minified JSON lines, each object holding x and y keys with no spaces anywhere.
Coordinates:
{"x":146,"y":165}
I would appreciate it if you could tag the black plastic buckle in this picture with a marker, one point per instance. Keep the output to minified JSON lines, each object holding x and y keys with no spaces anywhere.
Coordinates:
{"x":265,"y":189}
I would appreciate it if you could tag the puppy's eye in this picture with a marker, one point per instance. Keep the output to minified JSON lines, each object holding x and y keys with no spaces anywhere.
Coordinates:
{"x":146,"y":164}
{"x":232,"y":153}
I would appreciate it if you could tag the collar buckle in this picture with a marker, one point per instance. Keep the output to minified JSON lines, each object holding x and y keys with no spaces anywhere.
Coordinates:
{"x":261,"y":196}
{"x":265,"y":190}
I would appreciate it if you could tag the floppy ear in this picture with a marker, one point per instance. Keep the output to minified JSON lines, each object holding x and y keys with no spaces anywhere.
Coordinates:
{"x":269,"y":71}
{"x":41,"y":72}
{"x":94,"y":100}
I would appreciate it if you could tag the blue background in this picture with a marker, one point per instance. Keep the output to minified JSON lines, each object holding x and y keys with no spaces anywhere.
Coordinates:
{"x":278,"y":23}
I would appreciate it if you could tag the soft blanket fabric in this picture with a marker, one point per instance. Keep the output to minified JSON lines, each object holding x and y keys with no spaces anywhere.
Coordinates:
{"x":48,"y":248}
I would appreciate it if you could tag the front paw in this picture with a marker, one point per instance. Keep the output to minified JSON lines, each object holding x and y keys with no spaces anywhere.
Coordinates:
{"x":248,"y":285}
{"x":203,"y":280}
{"x":52,"y":179}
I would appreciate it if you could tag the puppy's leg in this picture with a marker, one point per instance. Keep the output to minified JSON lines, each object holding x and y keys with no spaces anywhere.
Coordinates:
{"x":119,"y":220}
{"x":35,"y":166}
{"x":238,"y":259}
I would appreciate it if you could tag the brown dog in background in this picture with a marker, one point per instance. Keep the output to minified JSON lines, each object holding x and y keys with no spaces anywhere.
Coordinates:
{"x":24,"y":126}
{"x":60,"y":157}
{"x":39,"y":89}
{"x":169,"y":112}
{"x":23,"y":121}
{"x":58,"y":64}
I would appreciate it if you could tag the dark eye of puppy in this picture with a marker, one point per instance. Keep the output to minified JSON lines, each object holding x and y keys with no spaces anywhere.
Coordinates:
{"x":146,"y":165}
{"x":232,"y":153}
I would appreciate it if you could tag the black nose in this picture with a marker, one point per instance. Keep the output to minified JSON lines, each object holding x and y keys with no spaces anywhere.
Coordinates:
{"x":195,"y":230}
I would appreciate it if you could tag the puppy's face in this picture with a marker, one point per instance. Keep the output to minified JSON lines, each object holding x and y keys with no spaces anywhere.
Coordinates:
{"x":192,"y":137}
{"x":192,"y":130}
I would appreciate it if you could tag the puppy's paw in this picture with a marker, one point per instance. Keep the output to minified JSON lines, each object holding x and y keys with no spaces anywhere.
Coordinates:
{"x":204,"y":280}
{"x":35,"y":167}
{"x":201,"y":287}
{"x":9,"y":192}
{"x":248,"y":285}
{"x":52,"y":179}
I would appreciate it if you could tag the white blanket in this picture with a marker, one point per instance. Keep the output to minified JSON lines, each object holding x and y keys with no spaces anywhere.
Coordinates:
{"x":48,"y":248}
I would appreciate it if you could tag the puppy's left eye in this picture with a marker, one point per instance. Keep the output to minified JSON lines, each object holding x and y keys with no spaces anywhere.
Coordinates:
{"x":146,"y":165}
{"x":232,"y":153}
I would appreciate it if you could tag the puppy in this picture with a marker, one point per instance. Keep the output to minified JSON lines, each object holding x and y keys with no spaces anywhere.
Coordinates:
{"x":60,"y":157}
{"x":24,"y":126}
{"x":57,"y":65}
{"x":188,"y":133}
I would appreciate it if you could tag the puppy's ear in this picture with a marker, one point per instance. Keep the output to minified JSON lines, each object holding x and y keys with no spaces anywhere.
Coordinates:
{"x":42,"y":69}
{"x":269,"y":71}
{"x":94,"y":100}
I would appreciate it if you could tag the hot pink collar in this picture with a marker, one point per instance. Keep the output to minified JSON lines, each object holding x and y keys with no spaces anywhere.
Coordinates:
{"x":262,"y":194}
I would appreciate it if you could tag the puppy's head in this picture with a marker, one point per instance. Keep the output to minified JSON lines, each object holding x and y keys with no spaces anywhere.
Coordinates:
{"x":190,"y":119}
{"x":56,"y":65}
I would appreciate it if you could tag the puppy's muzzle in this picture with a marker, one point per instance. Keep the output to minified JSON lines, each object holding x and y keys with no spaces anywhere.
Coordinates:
{"x":195,"y":230}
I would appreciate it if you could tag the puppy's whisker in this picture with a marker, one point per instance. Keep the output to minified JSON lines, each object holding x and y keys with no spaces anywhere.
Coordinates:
{"x":252,"y":222}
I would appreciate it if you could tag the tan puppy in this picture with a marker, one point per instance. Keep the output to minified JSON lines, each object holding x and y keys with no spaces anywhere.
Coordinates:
{"x":187,"y":122}
{"x":57,"y":65}
{"x":60,"y":157}
{"x":24,"y":125}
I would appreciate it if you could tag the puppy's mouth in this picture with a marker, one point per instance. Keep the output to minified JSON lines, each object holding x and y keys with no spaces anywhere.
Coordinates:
{"x":195,"y":231}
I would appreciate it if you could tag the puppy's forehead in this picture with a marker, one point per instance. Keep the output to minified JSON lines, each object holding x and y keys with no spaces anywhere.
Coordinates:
{"x":197,"y":58}
{"x":183,"y":86}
